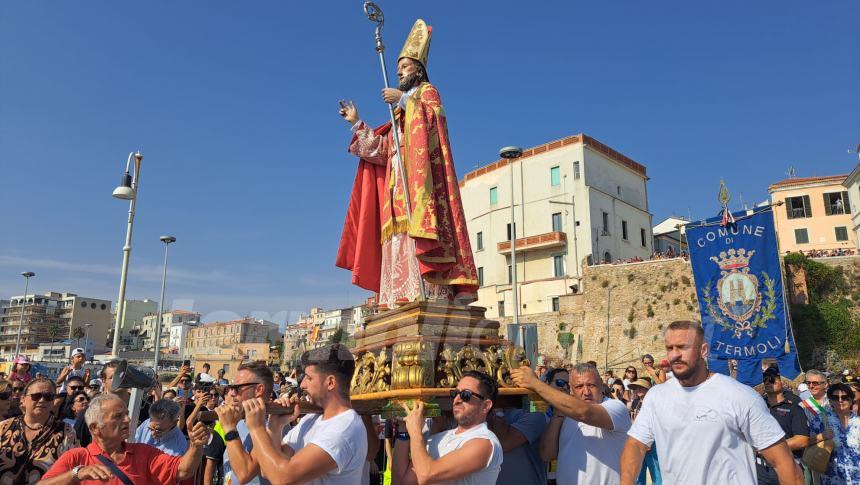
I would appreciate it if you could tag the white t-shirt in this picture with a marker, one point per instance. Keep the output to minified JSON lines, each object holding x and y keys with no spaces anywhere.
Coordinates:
{"x":440,"y":444}
{"x":592,"y":455}
{"x":706,"y":434}
{"x":344,"y":439}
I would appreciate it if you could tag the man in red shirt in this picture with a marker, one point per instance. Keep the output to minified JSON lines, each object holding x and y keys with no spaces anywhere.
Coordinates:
{"x":107,"y":419}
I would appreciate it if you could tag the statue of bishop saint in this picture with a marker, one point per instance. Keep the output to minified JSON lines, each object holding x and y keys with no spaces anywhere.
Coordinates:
{"x":387,"y":251}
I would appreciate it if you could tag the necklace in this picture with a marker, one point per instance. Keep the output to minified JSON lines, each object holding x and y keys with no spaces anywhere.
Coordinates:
{"x":32,"y":428}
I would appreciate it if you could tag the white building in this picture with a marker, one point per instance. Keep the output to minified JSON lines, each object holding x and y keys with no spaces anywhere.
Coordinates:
{"x":145,"y":331}
{"x":670,"y":234}
{"x":852,"y":184}
{"x":576,"y":201}
{"x":335,"y":320}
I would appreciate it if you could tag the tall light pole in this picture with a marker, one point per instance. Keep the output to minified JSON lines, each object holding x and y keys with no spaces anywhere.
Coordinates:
{"x":87,"y":340}
{"x":27,"y":275}
{"x":510,"y":154}
{"x":166,"y":240}
{"x":127,"y":190}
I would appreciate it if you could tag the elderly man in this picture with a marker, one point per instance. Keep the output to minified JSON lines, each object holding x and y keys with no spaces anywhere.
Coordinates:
{"x":587,"y":431}
{"x":161,"y":430}
{"x":469,"y":454}
{"x":110,"y":458}
{"x":705,"y":426}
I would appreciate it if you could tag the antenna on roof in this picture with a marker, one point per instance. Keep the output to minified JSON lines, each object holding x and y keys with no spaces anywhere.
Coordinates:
{"x":792,"y":172}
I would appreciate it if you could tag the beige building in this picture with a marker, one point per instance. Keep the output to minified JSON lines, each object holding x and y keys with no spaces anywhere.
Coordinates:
{"x":852,"y":186}
{"x":577,"y":201}
{"x":143,"y":334}
{"x":52,"y":313}
{"x":670,"y":236}
{"x":134,"y":311}
{"x":222,"y":337}
{"x":230,"y":358}
{"x":816,"y":215}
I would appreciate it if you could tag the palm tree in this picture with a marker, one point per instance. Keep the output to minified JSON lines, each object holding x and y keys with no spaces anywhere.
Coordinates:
{"x":53,"y":331}
{"x":78,"y":334}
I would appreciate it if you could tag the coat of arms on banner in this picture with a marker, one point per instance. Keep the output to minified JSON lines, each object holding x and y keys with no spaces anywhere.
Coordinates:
{"x":740,"y":306}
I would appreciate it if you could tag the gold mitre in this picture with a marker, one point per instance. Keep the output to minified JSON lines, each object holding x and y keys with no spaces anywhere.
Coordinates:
{"x":417,"y":44}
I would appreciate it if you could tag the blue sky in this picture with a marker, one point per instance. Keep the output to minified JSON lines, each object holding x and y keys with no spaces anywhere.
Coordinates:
{"x":234,"y":106}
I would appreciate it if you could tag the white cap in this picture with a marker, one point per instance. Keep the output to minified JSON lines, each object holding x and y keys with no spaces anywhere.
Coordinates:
{"x":79,"y":351}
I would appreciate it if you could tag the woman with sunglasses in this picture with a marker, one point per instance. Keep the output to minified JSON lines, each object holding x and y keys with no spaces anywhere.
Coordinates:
{"x":844,"y":467}
{"x":76,"y":405}
{"x":32,"y":442}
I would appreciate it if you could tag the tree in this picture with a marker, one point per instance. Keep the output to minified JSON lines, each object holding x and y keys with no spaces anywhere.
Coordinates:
{"x":53,"y":331}
{"x":337,"y":337}
{"x":78,"y":334}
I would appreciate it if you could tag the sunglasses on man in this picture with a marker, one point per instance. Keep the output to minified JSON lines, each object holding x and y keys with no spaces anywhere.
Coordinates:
{"x":39,"y":396}
{"x":465,"y":394}
{"x":76,"y":388}
{"x":815,"y":383}
{"x":561,"y":383}
{"x":237,"y":388}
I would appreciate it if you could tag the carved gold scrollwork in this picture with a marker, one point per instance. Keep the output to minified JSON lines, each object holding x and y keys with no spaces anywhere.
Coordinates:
{"x":372,"y":373}
{"x":454,"y":364}
{"x":413,"y":365}
{"x":507,"y":358}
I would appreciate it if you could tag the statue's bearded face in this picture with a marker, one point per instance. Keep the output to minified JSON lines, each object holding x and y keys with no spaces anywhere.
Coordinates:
{"x":410,"y":74}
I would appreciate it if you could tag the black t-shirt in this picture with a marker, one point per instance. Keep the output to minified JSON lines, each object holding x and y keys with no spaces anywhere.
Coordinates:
{"x":215,"y":451}
{"x":790,"y":417}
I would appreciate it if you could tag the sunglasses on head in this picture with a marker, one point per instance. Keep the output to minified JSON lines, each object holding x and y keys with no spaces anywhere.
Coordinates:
{"x":840,"y":397}
{"x":465,"y":394}
{"x":39,"y":396}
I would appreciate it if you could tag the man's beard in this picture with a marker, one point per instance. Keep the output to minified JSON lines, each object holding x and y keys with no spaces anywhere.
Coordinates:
{"x":691,"y":369}
{"x":410,"y":81}
{"x":468,"y":419}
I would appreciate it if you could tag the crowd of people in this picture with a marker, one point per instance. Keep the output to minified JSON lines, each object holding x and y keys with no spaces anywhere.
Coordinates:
{"x":828,"y":253}
{"x":672,"y":421}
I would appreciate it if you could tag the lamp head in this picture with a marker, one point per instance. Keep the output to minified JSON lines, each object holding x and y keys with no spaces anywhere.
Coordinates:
{"x":167,"y":239}
{"x":28,"y":274}
{"x":511,"y":152}
{"x":124,"y":190}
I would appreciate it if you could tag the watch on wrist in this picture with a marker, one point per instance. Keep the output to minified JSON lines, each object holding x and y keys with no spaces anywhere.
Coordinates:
{"x":231,"y":435}
{"x":75,"y":471}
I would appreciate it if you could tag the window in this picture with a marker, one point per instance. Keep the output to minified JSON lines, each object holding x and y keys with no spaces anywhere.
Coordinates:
{"x":624,"y":230}
{"x":494,"y":195}
{"x":558,"y":265}
{"x":510,"y":275}
{"x":642,"y":235}
{"x":842,"y":233}
{"x":801,"y":236}
{"x":556,"y":305}
{"x":836,"y":203}
{"x":480,"y":241}
{"x":556,"y":222}
{"x":618,"y":189}
{"x":502,"y":308}
{"x":605,"y":224}
{"x":798,"y":207}
{"x":481,"y":276}
{"x":576,"y":170}
{"x":607,"y":257}
{"x":510,"y":235}
{"x":555,"y":176}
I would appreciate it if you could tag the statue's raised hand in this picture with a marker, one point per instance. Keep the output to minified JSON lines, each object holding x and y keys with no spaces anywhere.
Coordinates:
{"x":348,"y":111}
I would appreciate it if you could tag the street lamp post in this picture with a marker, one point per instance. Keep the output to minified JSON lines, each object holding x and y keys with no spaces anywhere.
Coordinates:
{"x":27,"y":275}
{"x":87,"y":339}
{"x":127,"y":190}
{"x":512,"y":153}
{"x":166,"y":240}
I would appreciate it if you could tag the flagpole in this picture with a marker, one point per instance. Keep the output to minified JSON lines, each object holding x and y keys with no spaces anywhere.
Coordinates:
{"x":374,"y":14}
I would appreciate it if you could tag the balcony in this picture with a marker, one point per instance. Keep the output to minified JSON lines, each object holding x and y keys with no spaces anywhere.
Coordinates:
{"x":533,"y":243}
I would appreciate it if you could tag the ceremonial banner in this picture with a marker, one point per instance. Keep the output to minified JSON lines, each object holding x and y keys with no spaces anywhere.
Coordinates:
{"x":739,"y":286}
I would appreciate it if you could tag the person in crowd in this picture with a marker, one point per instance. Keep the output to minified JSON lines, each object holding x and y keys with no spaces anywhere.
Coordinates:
{"x":74,"y":384}
{"x":467,"y":454}
{"x":201,"y":403}
{"x":559,"y":378}
{"x":74,"y":369}
{"x":3,"y":376}
{"x":16,"y":388}
{"x":21,"y":370}
{"x":617,"y":391}
{"x":213,"y":456}
{"x":855,"y":387}
{"x":32,"y":442}
{"x":844,"y":427}
{"x":185,"y":388}
{"x":253,"y":380}
{"x":667,"y":369}
{"x":94,"y":388}
{"x":630,"y":375}
{"x":169,"y":394}
{"x":706,"y":427}
{"x":608,"y":377}
{"x":650,"y":465}
{"x":184,"y":371}
{"x":655,"y":375}
{"x":221,"y":381}
{"x":111,"y":455}
{"x":785,"y":407}
{"x":817,"y":403}
{"x":161,"y":430}
{"x":204,"y":376}
{"x":322,"y":448}
{"x":5,"y":399}
{"x":59,"y":402}
{"x":76,"y":405}
{"x":279,"y":382}
{"x":589,"y":430}
{"x":519,"y":433}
